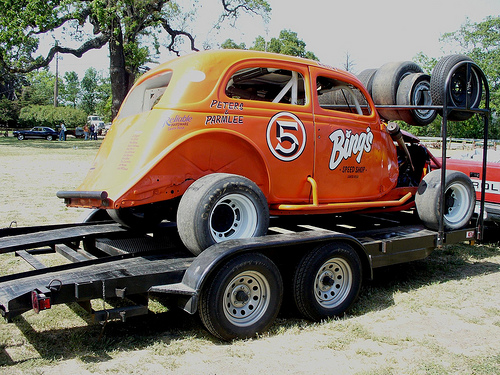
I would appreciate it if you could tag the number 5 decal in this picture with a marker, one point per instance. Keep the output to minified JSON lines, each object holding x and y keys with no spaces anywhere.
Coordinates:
{"x":286,"y":136}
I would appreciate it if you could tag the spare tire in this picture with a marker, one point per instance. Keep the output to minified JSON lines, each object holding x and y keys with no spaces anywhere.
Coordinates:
{"x":385,"y":85}
{"x":459,"y":91}
{"x":414,"y":90}
{"x":366,"y":78}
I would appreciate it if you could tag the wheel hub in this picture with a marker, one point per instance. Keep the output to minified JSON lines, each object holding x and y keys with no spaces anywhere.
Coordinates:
{"x":246,"y":298}
{"x":333,"y":282}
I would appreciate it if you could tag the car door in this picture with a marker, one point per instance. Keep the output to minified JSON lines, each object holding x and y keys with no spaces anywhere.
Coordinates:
{"x":355,"y":158}
{"x":278,"y":118}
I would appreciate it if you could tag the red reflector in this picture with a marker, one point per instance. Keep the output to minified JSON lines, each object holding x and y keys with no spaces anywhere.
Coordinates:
{"x":39,"y":301}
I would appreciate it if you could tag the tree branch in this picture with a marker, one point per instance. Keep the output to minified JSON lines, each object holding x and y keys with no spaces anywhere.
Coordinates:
{"x":174,"y":34}
{"x":41,"y":62}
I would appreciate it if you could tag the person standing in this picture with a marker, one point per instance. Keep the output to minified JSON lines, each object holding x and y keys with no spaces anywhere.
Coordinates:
{"x":86,"y":131}
{"x":62,"y":133}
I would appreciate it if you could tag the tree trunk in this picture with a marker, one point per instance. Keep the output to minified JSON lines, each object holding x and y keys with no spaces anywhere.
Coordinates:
{"x":118,"y":74}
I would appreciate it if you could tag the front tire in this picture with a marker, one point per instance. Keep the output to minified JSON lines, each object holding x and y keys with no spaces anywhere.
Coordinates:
{"x":460,"y":200}
{"x":327,"y":281}
{"x":243,"y":298}
{"x":220,"y":207}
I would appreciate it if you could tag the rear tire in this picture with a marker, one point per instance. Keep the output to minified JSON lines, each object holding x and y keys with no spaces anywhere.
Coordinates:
{"x":220,"y":207}
{"x":460,"y":200}
{"x":243,"y":298}
{"x":141,"y":218}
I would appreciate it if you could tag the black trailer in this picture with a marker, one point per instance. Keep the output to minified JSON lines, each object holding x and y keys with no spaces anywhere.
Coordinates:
{"x":235,"y":286}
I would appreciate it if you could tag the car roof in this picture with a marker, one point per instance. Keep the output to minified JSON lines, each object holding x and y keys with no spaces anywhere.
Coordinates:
{"x":217,"y":61}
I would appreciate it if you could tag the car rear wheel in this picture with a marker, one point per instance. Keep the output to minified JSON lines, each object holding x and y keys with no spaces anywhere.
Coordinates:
{"x":20,"y":137}
{"x":49,"y":138}
{"x":220,"y":207}
{"x":460,"y":200}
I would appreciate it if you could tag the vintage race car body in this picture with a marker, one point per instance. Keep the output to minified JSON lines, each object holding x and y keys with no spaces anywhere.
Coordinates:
{"x":271,"y":118}
{"x":220,"y":140}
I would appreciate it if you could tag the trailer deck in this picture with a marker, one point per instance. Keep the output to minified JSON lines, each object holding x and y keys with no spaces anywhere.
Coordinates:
{"x":130,"y":265}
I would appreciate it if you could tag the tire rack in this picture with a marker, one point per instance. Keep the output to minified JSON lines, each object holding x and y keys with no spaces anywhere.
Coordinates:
{"x":446,"y":110}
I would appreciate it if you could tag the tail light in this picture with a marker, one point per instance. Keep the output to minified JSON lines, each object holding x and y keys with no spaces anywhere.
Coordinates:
{"x":39,"y":301}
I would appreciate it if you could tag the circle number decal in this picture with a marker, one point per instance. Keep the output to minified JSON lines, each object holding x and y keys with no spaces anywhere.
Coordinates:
{"x":286,"y":136}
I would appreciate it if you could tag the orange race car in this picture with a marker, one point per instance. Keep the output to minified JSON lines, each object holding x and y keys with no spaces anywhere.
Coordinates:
{"x":219,"y":140}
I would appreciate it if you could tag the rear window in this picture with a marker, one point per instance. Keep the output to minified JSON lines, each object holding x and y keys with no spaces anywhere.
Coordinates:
{"x":145,"y":96}
{"x":267,"y":84}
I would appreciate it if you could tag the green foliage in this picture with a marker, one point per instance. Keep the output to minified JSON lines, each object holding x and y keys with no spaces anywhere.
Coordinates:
{"x":39,"y":115}
{"x":95,"y":91}
{"x":288,"y":43}
{"x":481,"y":42}
{"x":8,"y":113}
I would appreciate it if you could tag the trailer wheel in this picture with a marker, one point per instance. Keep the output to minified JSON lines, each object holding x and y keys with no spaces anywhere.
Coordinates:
{"x":327,"y":281}
{"x":243,"y":298}
{"x":460,"y":200}
{"x":220,"y":207}
{"x":386,"y":83}
{"x":459,"y":91}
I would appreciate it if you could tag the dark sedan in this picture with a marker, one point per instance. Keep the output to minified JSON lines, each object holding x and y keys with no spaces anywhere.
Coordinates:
{"x":37,"y":132}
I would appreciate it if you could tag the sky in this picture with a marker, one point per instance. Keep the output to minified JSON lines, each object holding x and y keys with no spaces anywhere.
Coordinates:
{"x":372,"y":32}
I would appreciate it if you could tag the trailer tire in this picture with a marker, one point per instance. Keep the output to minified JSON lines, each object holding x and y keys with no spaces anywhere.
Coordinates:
{"x":242,"y":298}
{"x":386,"y":83}
{"x":220,"y":207}
{"x":327,"y":281}
{"x":458,"y":90}
{"x":415,"y":89}
{"x":460,"y":200}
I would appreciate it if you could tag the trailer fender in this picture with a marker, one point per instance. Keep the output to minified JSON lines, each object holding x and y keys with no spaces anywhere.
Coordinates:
{"x":209,"y":260}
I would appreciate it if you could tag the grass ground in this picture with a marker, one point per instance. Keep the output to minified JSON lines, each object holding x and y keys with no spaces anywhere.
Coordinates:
{"x":436,"y":316}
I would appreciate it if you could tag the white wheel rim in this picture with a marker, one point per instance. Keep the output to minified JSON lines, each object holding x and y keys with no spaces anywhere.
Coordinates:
{"x":333,"y":283}
{"x":457,"y":203}
{"x":234,"y":216}
{"x":246,"y":298}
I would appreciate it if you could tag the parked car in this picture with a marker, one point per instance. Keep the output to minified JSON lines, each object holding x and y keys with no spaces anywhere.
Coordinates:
{"x":41,"y":132}
{"x":220,"y":140}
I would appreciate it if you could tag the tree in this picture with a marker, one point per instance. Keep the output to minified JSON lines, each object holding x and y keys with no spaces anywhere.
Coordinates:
{"x":288,"y":43}
{"x":70,"y":90}
{"x":125,"y":26}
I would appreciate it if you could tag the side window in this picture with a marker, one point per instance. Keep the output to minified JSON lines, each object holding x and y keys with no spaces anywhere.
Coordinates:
{"x":267,"y":84}
{"x":341,"y":96}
